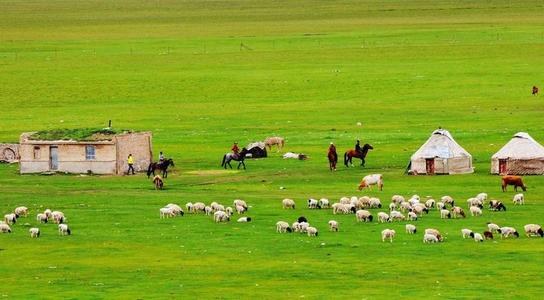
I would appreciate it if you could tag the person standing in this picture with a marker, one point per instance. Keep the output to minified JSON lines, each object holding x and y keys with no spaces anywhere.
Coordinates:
{"x":130,"y":162}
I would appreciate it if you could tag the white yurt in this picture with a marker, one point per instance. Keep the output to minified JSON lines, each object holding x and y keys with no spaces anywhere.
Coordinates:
{"x":522,"y":155}
{"x":440,"y":155}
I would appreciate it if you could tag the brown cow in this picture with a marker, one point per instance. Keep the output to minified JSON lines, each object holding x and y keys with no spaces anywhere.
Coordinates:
{"x":512,"y":180}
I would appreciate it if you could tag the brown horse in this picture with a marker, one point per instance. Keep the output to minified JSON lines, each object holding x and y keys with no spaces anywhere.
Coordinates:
{"x":158,"y":182}
{"x":276,"y":140}
{"x":333,"y":159}
{"x":351,"y":153}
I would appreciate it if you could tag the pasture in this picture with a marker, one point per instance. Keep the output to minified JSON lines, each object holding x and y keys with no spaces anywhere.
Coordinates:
{"x":202,"y":74}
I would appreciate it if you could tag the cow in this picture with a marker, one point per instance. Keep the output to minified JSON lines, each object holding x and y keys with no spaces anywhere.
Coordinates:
{"x":512,"y":180}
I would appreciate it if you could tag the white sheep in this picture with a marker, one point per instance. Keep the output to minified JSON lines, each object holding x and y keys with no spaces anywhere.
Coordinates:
{"x":430,"y":203}
{"x":478,"y":237}
{"x":434,"y":232}
{"x":313,"y":204}
{"x":10,"y":219}
{"x":333,"y":225}
{"x":533,"y":229}
{"x":166,"y":212}
{"x":303,"y":227}
{"x":240,"y":209}
{"x":474,"y":202}
{"x":410,"y":229}
{"x":324,"y":203}
{"x":312,"y":231}
{"x":419,"y":209}
{"x":414,"y":200}
{"x":397,"y":199}
{"x":21,"y":211}
{"x":42,"y":218}
{"x":288,"y":203}
{"x":208,"y":210}
{"x":440,"y":206}
{"x":458,"y":211}
{"x":363,"y":215}
{"x":295,"y":226}
{"x":396,"y":215}
{"x":34,"y":232}
{"x":189,"y":206}
{"x":4,"y":228}
{"x":445,"y":213}
{"x":221,"y":216}
{"x":518,"y":199}
{"x":448,"y":200}
{"x":508,"y":231}
{"x":240,"y":202}
{"x":229,"y":211}
{"x":405,"y":206}
{"x":475,"y":211}
{"x":375,"y":203}
{"x":393,"y":206}
{"x":58,"y":217}
{"x":383,"y":217}
{"x":244,"y":220}
{"x":64,"y":229}
{"x":363,"y":202}
{"x":482,"y":197}
{"x":412,"y":216}
{"x":217,"y":207}
{"x":345,"y":200}
{"x":493,"y":227}
{"x":388,"y":234}
{"x":282,"y":227}
{"x":467,"y":233}
{"x":429,"y":238}
{"x":176,"y":209}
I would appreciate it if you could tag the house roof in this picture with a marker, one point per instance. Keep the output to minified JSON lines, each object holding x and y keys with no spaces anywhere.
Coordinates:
{"x":73,"y":136}
{"x":521,"y":146}
{"x":440,"y":144}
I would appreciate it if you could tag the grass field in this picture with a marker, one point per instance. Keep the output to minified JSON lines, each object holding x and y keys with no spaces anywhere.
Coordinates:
{"x":201,"y":74}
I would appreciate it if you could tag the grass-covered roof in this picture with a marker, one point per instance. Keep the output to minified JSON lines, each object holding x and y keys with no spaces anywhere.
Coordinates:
{"x":80,"y":134}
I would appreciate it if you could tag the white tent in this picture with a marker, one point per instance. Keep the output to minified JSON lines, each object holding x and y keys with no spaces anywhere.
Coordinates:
{"x":441,"y":155}
{"x":522,"y":155}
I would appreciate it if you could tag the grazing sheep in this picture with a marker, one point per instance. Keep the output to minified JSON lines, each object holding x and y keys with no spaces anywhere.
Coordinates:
{"x":430,"y":203}
{"x":47,"y":212}
{"x":434,"y":232}
{"x":345,"y":200}
{"x":217,"y":207}
{"x":448,"y":200}
{"x":488,"y":235}
{"x":396,"y":215}
{"x":283,"y":227}
{"x":370,"y":180}
{"x":42,"y":218}
{"x":508,"y":231}
{"x":58,"y":217}
{"x":419,"y":209}
{"x":388,"y":234}
{"x":518,"y":199}
{"x":496,"y":205}
{"x":21,"y":211}
{"x":533,"y":230}
{"x":405,"y":206}
{"x":221,"y":216}
{"x":383,"y":217}
{"x":478,"y":237}
{"x":393,"y":206}
{"x":303,"y":227}
{"x":240,"y":209}
{"x":229,"y":211}
{"x":244,"y":220}
{"x":313,"y":204}
{"x":375,"y":203}
{"x":199,"y":206}
{"x":239,"y":202}
{"x":363,"y":215}
{"x":412,"y":216}
{"x":288,"y":203}
{"x":333,"y":225}
{"x":475,"y":202}
{"x":445,"y":213}
{"x":467,"y":233}
{"x":176,"y":209}
{"x":324,"y":203}
{"x":482,"y":197}
{"x":208,"y":210}
{"x":397,"y":199}
{"x":4,"y":228}
{"x":342,"y":208}
{"x":302,"y":219}
{"x":312,"y":231}
{"x":440,"y":205}
{"x":34,"y":232}
{"x":493,"y":227}
{"x":410,"y":229}
{"x":166,"y":212}
{"x":458,"y":211}
{"x":189,"y":206}
{"x":363,"y":202}
{"x":295,"y":226}
{"x":414,"y":200}
{"x":10,"y":219}
{"x":64,"y":229}
{"x":430,"y":238}
{"x":475,"y":211}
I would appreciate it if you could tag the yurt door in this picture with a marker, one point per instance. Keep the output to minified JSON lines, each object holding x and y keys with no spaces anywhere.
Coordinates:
{"x":54,"y":157}
{"x":429,"y":164}
{"x":502,"y":167}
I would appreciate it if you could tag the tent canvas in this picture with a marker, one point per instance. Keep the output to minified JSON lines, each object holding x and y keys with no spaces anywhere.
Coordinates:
{"x":522,"y":155}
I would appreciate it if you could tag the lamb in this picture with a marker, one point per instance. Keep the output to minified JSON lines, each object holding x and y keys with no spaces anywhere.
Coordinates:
{"x":313,"y":204}
{"x":397,"y":199}
{"x":241,"y":203}
{"x":467,"y":233}
{"x":475,"y":202}
{"x":208,"y":210}
{"x":324,"y":203}
{"x":430,"y":203}
{"x":488,"y":235}
{"x":405,"y":206}
{"x":383,"y":217}
{"x":333,"y":225}
{"x":533,"y":230}
{"x":478,"y":237}
{"x":375,"y":203}
{"x":199,"y":206}
{"x":283,"y":227}
{"x":518,"y":199}
{"x":288,"y":203}
{"x":42,"y":218}
{"x":176,"y":209}
{"x":34,"y":232}
{"x":363,"y":215}
{"x":221,"y":216}
{"x":303,"y":227}
{"x":410,"y":229}
{"x":396,"y":215}
{"x":312,"y":231}
{"x":58,"y":217}
{"x":496,"y":205}
{"x":393,"y":206}
{"x":458,"y":211}
{"x":370,"y":180}
{"x":240,"y":209}
{"x":508,"y":231}
{"x":4,"y":228}
{"x":429,"y":238}
{"x":244,"y":220}
{"x":475,"y":211}
{"x":10,"y":219}
{"x":229,"y":211}
{"x":440,"y":206}
{"x":21,"y":211}
{"x":388,"y":234}
{"x":448,"y":200}
{"x":493,"y":227}
{"x":444,"y":213}
{"x":482,"y":197}
{"x":64,"y":229}
{"x":166,"y":212}
{"x":295,"y":226}
{"x":412,"y":216}
{"x":189,"y":206}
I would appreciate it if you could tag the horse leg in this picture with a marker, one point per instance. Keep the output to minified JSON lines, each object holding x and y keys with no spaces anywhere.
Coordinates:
{"x":243,"y":164}
{"x":228,"y":162}
{"x":362,"y":162}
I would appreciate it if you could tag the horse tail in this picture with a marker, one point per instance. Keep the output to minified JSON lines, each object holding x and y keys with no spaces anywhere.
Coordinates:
{"x":149,"y":169}
{"x":346,"y":159}
{"x":223,"y":162}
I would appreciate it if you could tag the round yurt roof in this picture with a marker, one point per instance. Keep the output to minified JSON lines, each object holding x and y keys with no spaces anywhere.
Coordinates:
{"x":521,"y":146}
{"x":440,"y":144}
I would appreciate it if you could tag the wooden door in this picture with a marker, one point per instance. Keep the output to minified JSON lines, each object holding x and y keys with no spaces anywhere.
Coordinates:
{"x":54,"y":157}
{"x":502,"y":167}
{"x":429,"y":165}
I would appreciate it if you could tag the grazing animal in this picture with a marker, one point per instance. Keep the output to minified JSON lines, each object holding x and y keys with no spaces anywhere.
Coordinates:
{"x":434,"y":232}
{"x":324,"y":203}
{"x":467,"y":233}
{"x":482,"y":196}
{"x":430,"y":203}
{"x":458,"y":211}
{"x":383,"y":217}
{"x":478,"y":237}
{"x":350,"y":154}
{"x":313,"y":204}
{"x":242,"y":203}
{"x":410,"y":229}
{"x":388,"y":234}
{"x":370,"y":180}
{"x":158,"y":182}
{"x":162,"y":166}
{"x":535,"y":90}
{"x":508,"y":231}
{"x":199,"y":206}
{"x":282,"y":227}
{"x":493,"y":227}
{"x":275,"y":140}
{"x":208,"y":210}
{"x":312,"y":231}
{"x":189,"y":206}
{"x":333,"y":225}
{"x":302,"y":219}
{"x":244,"y":220}
{"x":518,"y":199}
{"x":166,"y":212}
{"x":64,"y":229}
{"x":448,"y":200}
{"x":488,"y":235}
{"x":176,"y":209}
{"x":227,"y":158}
{"x":475,"y":202}
{"x":444,"y":213}
{"x":10,"y":218}
{"x":288,"y":203}
{"x":533,"y":229}
{"x":412,"y":216}
{"x":363,"y":216}
{"x":21,"y":211}
{"x":496,"y":205}
{"x":397,"y":199}
{"x":42,"y":218}
{"x":475,"y":211}
{"x":4,"y":228}
{"x":516,"y":181}
{"x":299,"y":156}
{"x":396,"y":215}
{"x":58,"y":217}
{"x":430,"y":238}
{"x":221,"y":216}
{"x":34,"y":232}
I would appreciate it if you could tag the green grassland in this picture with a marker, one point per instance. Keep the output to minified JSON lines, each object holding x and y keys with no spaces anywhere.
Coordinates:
{"x":201,"y":74}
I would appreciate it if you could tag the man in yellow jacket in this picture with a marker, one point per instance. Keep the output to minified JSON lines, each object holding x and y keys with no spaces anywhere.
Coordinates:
{"x":130,"y":162}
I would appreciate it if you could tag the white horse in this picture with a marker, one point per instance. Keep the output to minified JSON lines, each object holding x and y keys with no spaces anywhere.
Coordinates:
{"x":276,"y":140}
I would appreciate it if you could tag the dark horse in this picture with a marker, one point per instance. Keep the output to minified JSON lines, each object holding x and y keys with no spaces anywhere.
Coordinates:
{"x":163,"y":166}
{"x":231,"y":156}
{"x":333,"y":159}
{"x":352,"y":153}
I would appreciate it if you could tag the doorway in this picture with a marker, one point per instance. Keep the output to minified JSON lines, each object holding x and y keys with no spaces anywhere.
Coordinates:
{"x":502,"y":167}
{"x":429,"y":166}
{"x":54,"y":158}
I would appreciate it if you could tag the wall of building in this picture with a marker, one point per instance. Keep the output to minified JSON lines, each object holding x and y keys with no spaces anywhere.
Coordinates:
{"x":137,"y":144}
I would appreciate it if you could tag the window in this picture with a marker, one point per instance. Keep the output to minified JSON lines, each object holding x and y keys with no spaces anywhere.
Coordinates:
{"x":90,"y":153}
{"x":36,"y":152}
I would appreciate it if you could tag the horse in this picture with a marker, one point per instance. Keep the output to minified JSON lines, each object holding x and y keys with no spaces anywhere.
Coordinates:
{"x":333,"y":159}
{"x":352,"y":153}
{"x":231,"y":156}
{"x":163,"y":166}
{"x":276,"y":140}
{"x":157,"y":181}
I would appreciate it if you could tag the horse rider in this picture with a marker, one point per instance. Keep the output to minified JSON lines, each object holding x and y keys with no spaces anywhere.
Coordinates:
{"x":161,"y":157}
{"x":235,"y":149}
{"x":130,"y":162}
{"x":358,"y":147}
{"x":332,"y":149}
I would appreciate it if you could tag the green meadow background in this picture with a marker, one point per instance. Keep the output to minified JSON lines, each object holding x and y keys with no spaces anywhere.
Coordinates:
{"x":202,"y":74}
